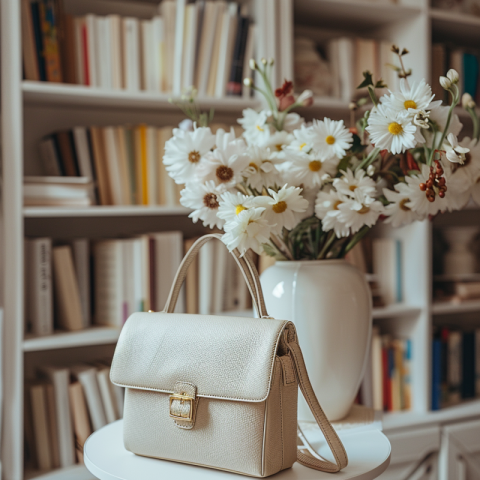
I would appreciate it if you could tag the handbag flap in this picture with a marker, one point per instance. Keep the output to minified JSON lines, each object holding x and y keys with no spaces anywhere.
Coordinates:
{"x":224,"y":357}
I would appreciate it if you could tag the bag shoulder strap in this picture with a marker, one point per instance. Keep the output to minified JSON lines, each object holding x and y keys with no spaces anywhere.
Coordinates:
{"x":306,"y":455}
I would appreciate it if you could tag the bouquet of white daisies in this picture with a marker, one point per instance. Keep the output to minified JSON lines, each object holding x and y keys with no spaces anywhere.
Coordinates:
{"x":298,"y":190}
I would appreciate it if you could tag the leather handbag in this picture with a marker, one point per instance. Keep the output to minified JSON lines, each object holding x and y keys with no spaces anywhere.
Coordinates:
{"x":218,"y":392}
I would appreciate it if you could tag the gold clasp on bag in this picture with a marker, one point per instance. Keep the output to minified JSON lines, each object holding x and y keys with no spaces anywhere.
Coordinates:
{"x":182,"y":399}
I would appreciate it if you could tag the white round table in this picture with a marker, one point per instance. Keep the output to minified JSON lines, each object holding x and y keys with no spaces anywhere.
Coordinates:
{"x":106,"y":458}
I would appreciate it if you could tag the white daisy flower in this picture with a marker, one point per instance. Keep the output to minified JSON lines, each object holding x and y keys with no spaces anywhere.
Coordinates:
{"x":418,"y":199}
{"x":292,"y":122}
{"x":398,"y":211}
{"x":359,"y":211}
{"x":302,"y":141}
{"x":462,"y":177}
{"x":204,"y":199}
{"x":184,"y":152}
{"x":249,"y":229}
{"x":309,"y":170}
{"x":326,"y":209}
{"x":411,"y":99}
{"x":226,"y":163}
{"x":351,"y":181}
{"x":262,"y":171}
{"x":391,"y":130}
{"x":282,"y":208}
{"x":255,"y":125}
{"x":330,"y":138}
{"x":231,"y":204}
{"x":277,"y":143}
{"x":455,"y":153}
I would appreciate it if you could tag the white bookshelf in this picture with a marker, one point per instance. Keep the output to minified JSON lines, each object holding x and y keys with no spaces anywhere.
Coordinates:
{"x":33,"y":109}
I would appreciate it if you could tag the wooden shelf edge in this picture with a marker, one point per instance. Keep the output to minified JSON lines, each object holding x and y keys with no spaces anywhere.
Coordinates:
{"x":395,"y":310}
{"x":89,"y":336}
{"x":457,"y":18}
{"x":66,"y":94}
{"x":103,"y":211}
{"x":445,"y":308}
{"x":397,"y":420}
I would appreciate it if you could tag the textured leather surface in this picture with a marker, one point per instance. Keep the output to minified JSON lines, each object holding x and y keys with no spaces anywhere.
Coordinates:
{"x":227,"y":435}
{"x":229,"y":357}
{"x":243,"y":373}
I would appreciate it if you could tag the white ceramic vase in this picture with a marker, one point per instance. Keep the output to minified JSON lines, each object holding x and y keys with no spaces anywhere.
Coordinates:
{"x":460,"y":259}
{"x":331,"y":305}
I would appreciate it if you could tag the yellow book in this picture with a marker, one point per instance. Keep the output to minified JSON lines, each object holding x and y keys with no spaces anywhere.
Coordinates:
{"x":141,"y":165}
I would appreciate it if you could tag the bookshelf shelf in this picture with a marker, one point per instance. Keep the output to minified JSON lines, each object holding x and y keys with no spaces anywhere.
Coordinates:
{"x":458,"y":412}
{"x":445,"y":308}
{"x":61,"y":94}
{"x":456,"y":26}
{"x":395,"y":310}
{"x":360,"y":14}
{"x":90,"y":336}
{"x":103,"y":211}
{"x":77,"y":472}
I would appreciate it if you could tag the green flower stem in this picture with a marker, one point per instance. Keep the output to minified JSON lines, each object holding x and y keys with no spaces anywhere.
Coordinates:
{"x":455,"y":98}
{"x":371,"y":92}
{"x":369,"y":159}
{"x":267,"y":98}
{"x":268,"y":86}
{"x":356,"y":238}
{"x":331,"y":237}
{"x":281,"y":247}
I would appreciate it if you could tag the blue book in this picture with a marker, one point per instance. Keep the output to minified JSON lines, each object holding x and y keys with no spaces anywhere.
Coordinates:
{"x":37,"y":33}
{"x":436,"y":373}
{"x":470,"y":74}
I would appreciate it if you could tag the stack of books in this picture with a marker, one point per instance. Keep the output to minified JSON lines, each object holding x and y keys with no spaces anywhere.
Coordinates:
{"x":346,"y":58}
{"x":58,"y":191}
{"x":464,"y":60}
{"x":127,"y":275}
{"x":206,"y":44}
{"x":387,"y":382}
{"x":456,"y":289}
{"x":124,"y":163}
{"x":63,"y":407}
{"x":455,"y":366}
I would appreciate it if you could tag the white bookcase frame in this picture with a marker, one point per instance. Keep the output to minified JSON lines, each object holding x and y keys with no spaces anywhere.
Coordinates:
{"x":32,"y":109}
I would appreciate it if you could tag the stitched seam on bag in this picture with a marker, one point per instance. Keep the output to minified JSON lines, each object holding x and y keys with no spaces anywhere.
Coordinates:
{"x":299,"y":371}
{"x":281,"y":416}
{"x":220,"y":397}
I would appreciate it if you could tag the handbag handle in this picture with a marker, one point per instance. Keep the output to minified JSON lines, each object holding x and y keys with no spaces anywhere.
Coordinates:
{"x":246,"y":265}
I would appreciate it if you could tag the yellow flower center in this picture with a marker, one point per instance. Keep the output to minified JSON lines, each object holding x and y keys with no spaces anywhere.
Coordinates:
{"x":254,"y":165}
{"x":315,"y":165}
{"x":336,"y":204}
{"x":409,"y":104}
{"x":240,"y":208}
{"x":352,"y":188}
{"x":194,"y":156}
{"x":403,"y":205}
{"x":330,"y":140}
{"x":259,"y":128}
{"x":395,"y":128}
{"x":279,"y":207}
{"x":364,"y":210}
{"x":301,"y":146}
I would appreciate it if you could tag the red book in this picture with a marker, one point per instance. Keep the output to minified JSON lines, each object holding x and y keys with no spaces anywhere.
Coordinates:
{"x":85,"y":54}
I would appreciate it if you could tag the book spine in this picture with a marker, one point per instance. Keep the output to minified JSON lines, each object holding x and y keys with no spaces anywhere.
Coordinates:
{"x":51,"y":50}
{"x":235,"y":83}
{"x":468,"y":365}
{"x":477,"y":362}
{"x":436,"y":374}
{"x":37,"y":31}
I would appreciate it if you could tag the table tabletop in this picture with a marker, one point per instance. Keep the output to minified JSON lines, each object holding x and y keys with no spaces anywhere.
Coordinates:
{"x":107,"y":459}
